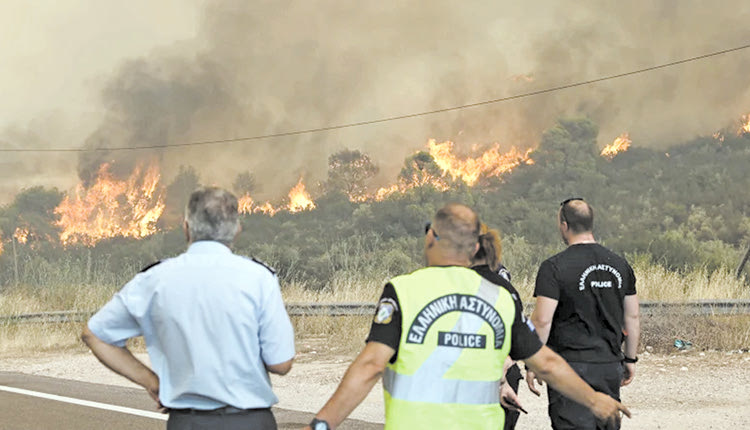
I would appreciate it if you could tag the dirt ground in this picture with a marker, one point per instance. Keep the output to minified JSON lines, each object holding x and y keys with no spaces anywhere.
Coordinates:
{"x":707,"y":390}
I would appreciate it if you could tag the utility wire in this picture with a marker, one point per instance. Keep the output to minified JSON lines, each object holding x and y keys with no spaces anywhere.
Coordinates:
{"x":386,"y":119}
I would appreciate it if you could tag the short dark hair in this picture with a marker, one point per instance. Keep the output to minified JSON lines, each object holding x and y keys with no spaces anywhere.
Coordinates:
{"x":578,"y":214}
{"x":458,"y":227}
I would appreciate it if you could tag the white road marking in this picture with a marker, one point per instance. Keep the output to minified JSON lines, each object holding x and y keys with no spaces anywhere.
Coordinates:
{"x":105,"y":406}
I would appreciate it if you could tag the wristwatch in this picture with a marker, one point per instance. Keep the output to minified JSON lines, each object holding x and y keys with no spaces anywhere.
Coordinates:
{"x":627,"y":359}
{"x":317,"y":424}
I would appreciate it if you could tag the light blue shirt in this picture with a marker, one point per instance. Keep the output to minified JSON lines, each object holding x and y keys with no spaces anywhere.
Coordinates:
{"x":210,"y":319}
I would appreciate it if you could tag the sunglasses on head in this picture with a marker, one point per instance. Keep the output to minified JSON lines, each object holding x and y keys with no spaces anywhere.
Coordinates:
{"x":428,"y":227}
{"x":563,"y":216}
{"x":565,"y":202}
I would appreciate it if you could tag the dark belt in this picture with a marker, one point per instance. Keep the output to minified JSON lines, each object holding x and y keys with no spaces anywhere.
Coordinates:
{"x":226,"y":410}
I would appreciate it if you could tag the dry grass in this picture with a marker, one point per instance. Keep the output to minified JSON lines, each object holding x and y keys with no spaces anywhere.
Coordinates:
{"x":26,"y":299}
{"x":338,"y":336}
{"x":706,"y":333}
{"x":345,"y":335}
{"x":28,"y":339}
{"x":344,"y":288}
{"x":655,"y":283}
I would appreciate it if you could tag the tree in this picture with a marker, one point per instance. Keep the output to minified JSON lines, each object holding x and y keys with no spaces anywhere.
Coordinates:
{"x":177,"y":194}
{"x":348,"y":172}
{"x":244,"y":184}
{"x":33,"y":209}
{"x":421,"y":169}
{"x":569,"y":146}
{"x":30,"y":220}
{"x":567,"y":163}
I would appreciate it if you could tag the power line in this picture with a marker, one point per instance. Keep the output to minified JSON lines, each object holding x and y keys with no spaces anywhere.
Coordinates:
{"x":386,"y":119}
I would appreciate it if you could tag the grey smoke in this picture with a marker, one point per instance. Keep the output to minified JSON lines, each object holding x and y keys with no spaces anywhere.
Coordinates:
{"x":269,"y":66}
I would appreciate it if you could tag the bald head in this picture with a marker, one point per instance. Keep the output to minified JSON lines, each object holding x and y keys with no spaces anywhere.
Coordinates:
{"x":458,"y":228}
{"x":579,"y":216}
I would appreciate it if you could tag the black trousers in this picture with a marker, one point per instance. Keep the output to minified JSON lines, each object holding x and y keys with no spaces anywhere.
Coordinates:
{"x":566,"y":414}
{"x":220,"y":419}
{"x":514,"y":378}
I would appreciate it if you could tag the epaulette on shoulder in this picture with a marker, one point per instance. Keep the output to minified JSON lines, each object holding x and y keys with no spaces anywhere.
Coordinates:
{"x":150,"y":266}
{"x":269,"y":268}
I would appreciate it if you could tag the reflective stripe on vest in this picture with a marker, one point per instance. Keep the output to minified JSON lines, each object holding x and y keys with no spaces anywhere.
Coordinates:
{"x":413,"y":389}
{"x":428,"y":383}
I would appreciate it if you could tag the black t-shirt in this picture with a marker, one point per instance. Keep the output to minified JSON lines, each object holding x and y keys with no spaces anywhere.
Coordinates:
{"x":590,"y":283}
{"x":501,"y":277}
{"x":498,"y":279}
{"x":386,"y":326}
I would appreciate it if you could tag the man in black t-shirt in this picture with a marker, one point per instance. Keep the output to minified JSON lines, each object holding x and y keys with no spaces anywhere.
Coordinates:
{"x":586,"y":308}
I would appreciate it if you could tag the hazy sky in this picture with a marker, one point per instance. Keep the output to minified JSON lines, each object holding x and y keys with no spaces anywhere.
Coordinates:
{"x":56,"y":55}
{"x":96,"y":74}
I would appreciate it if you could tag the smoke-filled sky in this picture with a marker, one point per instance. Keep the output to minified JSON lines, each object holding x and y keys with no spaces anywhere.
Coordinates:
{"x":90,"y":74}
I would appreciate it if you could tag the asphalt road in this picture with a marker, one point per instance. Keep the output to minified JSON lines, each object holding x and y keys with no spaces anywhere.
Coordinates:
{"x":21,"y":408}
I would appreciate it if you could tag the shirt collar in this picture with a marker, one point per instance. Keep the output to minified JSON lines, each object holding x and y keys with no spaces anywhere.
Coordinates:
{"x":208,"y":247}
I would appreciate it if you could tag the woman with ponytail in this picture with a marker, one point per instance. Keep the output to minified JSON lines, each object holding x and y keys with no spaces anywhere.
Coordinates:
{"x":486,"y":262}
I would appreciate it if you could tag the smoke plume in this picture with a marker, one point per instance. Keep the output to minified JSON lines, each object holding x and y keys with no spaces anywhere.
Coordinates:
{"x":271,"y":66}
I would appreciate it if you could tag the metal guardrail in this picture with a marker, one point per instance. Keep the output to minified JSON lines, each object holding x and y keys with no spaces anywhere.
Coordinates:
{"x":699,"y":307}
{"x":695,"y":308}
{"x":294,"y":309}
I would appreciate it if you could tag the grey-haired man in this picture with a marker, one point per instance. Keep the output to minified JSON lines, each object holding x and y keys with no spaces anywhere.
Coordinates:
{"x":214,"y":325}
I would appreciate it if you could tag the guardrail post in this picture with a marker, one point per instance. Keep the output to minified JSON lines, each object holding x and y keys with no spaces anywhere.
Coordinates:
{"x":742,"y":263}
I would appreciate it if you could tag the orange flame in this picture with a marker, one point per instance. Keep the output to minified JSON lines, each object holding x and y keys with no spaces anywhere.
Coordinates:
{"x":719,"y":136}
{"x":299,"y":198}
{"x":1,"y":245}
{"x":621,"y":144}
{"x":112,"y":207}
{"x":245,"y":204}
{"x":491,"y":163}
{"x":266,"y":208}
{"x":383,"y":192}
{"x":745,"y":126}
{"x":21,"y":235}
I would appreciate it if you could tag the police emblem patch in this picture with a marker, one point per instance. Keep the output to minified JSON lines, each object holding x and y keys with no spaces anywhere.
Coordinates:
{"x":384,"y":313}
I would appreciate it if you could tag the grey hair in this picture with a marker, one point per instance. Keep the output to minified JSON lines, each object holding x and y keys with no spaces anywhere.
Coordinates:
{"x":211,"y":214}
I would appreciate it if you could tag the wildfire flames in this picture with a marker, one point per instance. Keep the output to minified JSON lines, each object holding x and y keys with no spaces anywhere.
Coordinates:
{"x":21,"y":235}
{"x":489,"y":163}
{"x":745,"y":126}
{"x":245,"y":204}
{"x":112,"y":207}
{"x":299,"y":200}
{"x":131,"y":207}
{"x":419,"y":178}
{"x":621,"y":144}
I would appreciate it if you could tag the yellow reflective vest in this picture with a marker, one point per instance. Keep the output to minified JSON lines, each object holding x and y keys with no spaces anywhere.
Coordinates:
{"x":456,"y":330}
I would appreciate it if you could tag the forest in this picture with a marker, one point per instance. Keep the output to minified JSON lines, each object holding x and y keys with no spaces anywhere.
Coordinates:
{"x":684,"y":208}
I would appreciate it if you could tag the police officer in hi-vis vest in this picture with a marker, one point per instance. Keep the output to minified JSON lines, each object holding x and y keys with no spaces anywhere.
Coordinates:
{"x":439,"y":339}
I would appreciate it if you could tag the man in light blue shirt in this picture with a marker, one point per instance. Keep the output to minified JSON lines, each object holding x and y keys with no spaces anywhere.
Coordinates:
{"x":214,"y":325}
